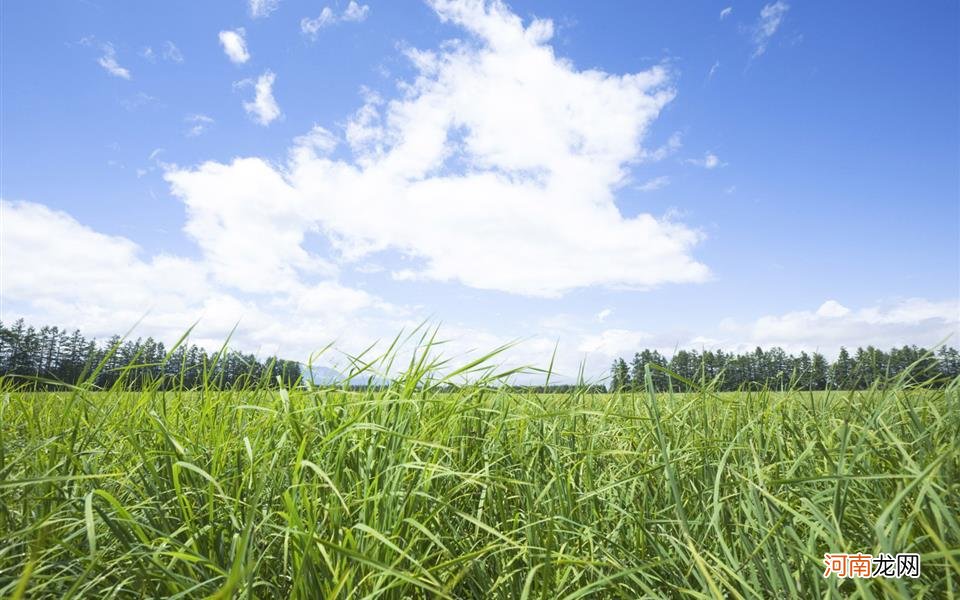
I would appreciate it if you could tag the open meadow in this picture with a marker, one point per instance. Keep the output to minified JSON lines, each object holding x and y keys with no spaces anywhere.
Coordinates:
{"x":421,"y":490}
{"x":280,"y":281}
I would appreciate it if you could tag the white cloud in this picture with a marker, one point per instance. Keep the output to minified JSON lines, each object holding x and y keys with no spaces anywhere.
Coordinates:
{"x":497,"y":168}
{"x":263,"y":108}
{"x":886,"y":325}
{"x":726,"y":12}
{"x":312,"y":26}
{"x":103,"y":273}
{"x":893,"y":323}
{"x":109,"y":62}
{"x":318,"y":141}
{"x":673,"y":144}
{"x":614,"y":342}
{"x":654,"y":184}
{"x":171,"y":52}
{"x":263,"y":8}
{"x":198,"y":124}
{"x":103,"y":284}
{"x":354,"y":13}
{"x":282,"y":296}
{"x":327,"y":296}
{"x":234,"y":45}
{"x":832,"y":308}
{"x":702,"y":342}
{"x":369,"y":268}
{"x":771,"y":16}
{"x":709,"y":161}
{"x":230,"y":205}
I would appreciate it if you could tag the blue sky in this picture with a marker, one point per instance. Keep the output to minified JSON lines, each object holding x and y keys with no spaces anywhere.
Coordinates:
{"x":610,"y":176}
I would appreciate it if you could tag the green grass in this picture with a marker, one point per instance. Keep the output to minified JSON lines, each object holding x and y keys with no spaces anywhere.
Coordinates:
{"x":423,"y":491}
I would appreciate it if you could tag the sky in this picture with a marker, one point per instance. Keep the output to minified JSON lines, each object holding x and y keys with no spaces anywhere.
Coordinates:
{"x":592,"y":177}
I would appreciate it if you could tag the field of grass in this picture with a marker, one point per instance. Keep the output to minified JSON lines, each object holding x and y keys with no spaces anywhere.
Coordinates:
{"x":474,"y":492}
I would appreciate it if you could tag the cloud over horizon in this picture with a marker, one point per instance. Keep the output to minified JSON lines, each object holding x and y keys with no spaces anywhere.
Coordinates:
{"x":258,"y":289}
{"x":496,"y":168}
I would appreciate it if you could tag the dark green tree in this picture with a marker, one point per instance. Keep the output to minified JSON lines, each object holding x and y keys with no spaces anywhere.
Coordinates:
{"x":619,"y":376}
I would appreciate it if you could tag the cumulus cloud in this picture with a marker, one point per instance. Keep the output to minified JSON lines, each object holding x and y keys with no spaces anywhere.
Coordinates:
{"x":893,"y":323}
{"x":614,"y":342}
{"x":263,"y":8}
{"x":709,"y":161}
{"x":496,"y":167}
{"x":354,"y":12}
{"x":109,"y":62}
{"x":312,"y":26}
{"x":263,"y":109}
{"x":832,"y":308}
{"x":103,"y":273}
{"x":257,"y":204}
{"x":317,"y":141}
{"x":771,"y":16}
{"x":234,"y":45}
{"x":104,"y":283}
{"x":889,"y":324}
{"x":282,"y":295}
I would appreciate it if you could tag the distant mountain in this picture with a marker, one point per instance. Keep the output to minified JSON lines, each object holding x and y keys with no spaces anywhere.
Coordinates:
{"x":321,"y":375}
{"x":328,"y":376}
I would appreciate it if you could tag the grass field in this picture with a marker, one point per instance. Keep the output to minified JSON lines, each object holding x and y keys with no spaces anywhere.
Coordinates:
{"x":419,"y":491}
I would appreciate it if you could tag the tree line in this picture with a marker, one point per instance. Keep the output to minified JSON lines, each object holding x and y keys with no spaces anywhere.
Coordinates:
{"x":50,"y":356}
{"x":560,"y":388}
{"x":777,"y":369}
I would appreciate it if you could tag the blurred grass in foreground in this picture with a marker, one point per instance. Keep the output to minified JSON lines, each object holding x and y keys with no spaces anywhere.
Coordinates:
{"x":427,"y":489}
